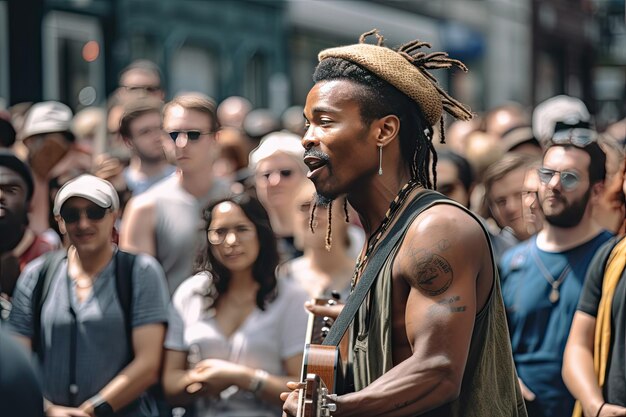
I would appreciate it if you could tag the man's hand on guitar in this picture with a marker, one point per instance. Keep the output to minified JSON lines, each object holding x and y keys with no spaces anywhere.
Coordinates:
{"x":331,"y":309}
{"x":290,"y":408}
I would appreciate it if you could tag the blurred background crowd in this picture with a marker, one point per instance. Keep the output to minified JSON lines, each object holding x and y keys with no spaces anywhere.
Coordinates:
{"x":126,"y":90}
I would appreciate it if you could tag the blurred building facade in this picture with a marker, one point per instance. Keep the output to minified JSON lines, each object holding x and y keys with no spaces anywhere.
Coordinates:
{"x":265,"y":50}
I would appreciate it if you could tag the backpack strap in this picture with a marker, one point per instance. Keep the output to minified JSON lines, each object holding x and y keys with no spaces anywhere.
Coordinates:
{"x":52,"y":262}
{"x":124,"y":263}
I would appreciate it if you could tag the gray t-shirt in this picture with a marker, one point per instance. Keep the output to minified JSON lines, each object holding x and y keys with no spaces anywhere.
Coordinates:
{"x":140,"y":185}
{"x":102,"y":345}
{"x":264,"y":340}
{"x":178,"y":226}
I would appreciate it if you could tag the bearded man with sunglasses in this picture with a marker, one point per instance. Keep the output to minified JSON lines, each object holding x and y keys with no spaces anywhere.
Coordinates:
{"x":165,"y":220}
{"x":97,"y":354}
{"x":542,"y":278}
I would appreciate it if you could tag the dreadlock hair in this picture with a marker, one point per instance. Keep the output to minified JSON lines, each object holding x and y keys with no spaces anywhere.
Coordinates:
{"x":264,"y":267}
{"x":377,"y":99}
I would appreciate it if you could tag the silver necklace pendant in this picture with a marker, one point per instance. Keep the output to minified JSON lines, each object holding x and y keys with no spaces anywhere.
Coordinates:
{"x":554,"y":295}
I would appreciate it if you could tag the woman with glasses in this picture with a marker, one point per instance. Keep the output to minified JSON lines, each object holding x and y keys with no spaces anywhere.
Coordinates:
{"x":235,"y":333}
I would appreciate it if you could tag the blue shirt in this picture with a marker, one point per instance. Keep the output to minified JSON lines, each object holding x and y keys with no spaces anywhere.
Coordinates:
{"x":539,"y":327}
{"x":102,"y":345}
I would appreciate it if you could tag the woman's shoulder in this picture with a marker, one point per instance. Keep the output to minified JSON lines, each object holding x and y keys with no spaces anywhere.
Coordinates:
{"x":192,"y":286}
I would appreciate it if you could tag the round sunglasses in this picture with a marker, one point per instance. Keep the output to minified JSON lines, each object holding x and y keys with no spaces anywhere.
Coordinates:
{"x":569,"y":179}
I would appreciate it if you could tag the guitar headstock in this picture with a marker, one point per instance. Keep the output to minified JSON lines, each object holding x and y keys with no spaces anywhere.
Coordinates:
{"x":319,"y":326}
{"x":315,"y":400}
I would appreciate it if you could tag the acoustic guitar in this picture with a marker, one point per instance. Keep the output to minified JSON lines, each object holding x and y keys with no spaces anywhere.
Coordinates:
{"x":322,"y":369}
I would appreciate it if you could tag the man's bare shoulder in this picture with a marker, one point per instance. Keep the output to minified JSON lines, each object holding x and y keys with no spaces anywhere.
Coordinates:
{"x":442,"y":243}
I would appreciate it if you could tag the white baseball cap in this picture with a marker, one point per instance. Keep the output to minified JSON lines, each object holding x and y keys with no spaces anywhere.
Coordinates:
{"x":47,"y":117}
{"x":562,"y":108}
{"x":90,"y":187}
{"x":276,"y":142}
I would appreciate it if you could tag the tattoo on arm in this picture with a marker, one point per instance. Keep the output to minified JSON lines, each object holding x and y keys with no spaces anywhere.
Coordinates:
{"x":433,"y":274}
{"x":447,"y":305}
{"x":404,"y":404}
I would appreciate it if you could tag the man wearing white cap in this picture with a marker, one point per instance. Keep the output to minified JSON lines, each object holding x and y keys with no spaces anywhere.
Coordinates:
{"x":94,"y":315}
{"x":278,"y":173}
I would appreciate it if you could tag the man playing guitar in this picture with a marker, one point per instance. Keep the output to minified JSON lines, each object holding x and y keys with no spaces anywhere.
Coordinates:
{"x":431,"y":337}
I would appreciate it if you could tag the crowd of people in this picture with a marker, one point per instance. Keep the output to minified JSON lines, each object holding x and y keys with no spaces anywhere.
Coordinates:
{"x":157,"y":257}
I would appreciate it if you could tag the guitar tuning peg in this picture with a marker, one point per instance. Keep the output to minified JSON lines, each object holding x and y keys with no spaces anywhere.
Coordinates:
{"x":328,"y":321}
{"x":325,"y":331}
{"x":335,"y":294}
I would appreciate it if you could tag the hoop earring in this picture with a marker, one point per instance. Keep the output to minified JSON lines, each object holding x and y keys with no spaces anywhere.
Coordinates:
{"x":380,"y":159}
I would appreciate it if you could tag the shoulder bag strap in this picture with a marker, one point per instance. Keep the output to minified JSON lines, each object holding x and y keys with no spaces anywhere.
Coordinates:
{"x":376,"y":261}
{"x":124,"y":263}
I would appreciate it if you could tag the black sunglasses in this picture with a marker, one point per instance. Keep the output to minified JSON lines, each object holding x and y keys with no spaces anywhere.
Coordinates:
{"x":191,"y":134}
{"x":72,"y":214}
{"x":286,"y":173}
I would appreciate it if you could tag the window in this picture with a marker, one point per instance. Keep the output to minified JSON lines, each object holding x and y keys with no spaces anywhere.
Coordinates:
{"x":73,"y":59}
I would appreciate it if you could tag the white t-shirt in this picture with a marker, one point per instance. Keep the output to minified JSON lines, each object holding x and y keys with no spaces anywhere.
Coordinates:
{"x":263,"y":341}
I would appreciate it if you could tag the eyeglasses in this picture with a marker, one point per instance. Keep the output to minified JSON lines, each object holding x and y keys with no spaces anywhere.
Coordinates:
{"x":73,"y":214}
{"x":146,"y":88}
{"x":579,"y":137}
{"x":219,"y":235}
{"x":284,"y":173}
{"x":569,"y":179}
{"x":191,"y":134}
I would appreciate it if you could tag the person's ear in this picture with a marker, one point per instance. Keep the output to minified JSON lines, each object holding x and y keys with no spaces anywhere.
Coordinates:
{"x":388,"y":129}
{"x":597,"y":191}
{"x":61,"y":224}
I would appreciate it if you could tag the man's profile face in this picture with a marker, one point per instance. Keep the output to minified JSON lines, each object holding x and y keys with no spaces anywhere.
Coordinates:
{"x":565,"y":208}
{"x":341,"y":151}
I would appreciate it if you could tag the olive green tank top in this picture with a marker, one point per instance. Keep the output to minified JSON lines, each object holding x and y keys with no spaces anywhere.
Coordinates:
{"x":489,"y":387}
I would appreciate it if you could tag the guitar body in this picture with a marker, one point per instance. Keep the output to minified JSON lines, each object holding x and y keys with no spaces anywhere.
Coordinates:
{"x":324,"y":361}
{"x":322,"y":370}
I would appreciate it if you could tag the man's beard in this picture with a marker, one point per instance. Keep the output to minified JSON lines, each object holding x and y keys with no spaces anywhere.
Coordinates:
{"x":151,"y":159}
{"x":572,"y":214}
{"x":12,"y":229}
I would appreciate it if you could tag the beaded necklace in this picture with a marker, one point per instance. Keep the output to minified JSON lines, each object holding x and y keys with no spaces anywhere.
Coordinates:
{"x":391,"y":213}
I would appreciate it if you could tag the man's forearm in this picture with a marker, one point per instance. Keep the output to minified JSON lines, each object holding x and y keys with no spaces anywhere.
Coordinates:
{"x":580,"y":378}
{"x":400,"y":392}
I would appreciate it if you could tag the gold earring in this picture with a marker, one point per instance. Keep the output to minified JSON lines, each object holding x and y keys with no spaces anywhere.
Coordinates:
{"x":380,"y":159}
